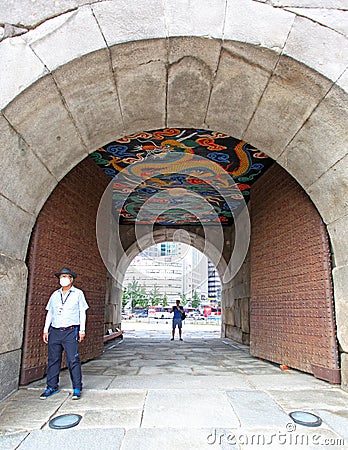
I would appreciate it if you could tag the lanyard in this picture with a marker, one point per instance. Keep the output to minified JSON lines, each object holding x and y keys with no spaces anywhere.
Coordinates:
{"x":66,"y":298}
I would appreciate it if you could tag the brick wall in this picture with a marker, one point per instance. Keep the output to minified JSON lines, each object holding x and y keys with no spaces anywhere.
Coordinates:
{"x":292,"y":313}
{"x":64,"y":235}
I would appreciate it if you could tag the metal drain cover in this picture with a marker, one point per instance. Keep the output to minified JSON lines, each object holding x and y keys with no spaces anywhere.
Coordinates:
{"x":64,"y":421}
{"x":305,"y":418}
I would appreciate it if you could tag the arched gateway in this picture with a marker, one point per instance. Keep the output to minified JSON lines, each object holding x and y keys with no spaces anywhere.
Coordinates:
{"x":100,"y":72}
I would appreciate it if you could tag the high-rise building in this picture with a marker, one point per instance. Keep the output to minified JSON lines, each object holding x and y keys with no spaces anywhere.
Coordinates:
{"x":214,"y":283}
{"x":173,"y":268}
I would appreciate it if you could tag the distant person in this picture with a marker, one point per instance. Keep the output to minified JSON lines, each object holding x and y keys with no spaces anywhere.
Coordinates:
{"x":64,"y":329}
{"x":177,"y":320}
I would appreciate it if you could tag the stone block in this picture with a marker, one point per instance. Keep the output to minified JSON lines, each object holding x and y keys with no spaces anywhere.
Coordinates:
{"x":94,"y":106}
{"x":270,"y":26}
{"x":93,"y":438}
{"x":229,"y":316}
{"x":342,"y":82}
{"x":207,"y":50}
{"x":319,"y":47}
{"x":195,"y":18}
{"x":43,"y":121}
{"x":9,"y":372}
{"x":28,"y":14}
{"x":17,"y":162}
{"x":245,"y":314}
{"x":330,"y":192}
{"x":344,"y":371}
{"x":15,"y":229}
{"x":238,"y":85}
{"x":335,"y":19}
{"x":13,"y":285}
{"x":338,"y":4}
{"x":338,"y":232}
{"x":131,"y":55}
{"x":289,"y":99}
{"x":66,"y":37}
{"x":340,"y":281}
{"x":142,"y":95}
{"x":19,"y":68}
{"x":325,"y":133}
{"x":171,"y":408}
{"x":189,"y":85}
{"x":256,"y":407}
{"x":124,"y":21}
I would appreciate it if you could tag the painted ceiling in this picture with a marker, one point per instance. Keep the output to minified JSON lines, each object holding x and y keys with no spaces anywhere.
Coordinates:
{"x":180,"y":176}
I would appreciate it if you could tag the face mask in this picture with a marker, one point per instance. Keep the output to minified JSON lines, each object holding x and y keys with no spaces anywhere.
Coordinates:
{"x":64,"y":281}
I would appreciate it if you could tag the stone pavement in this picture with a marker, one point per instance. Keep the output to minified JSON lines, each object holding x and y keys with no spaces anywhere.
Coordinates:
{"x":147,"y":392}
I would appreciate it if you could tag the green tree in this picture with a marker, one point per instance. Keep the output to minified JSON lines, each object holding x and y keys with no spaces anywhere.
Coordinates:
{"x":183,"y":299}
{"x":165,"y":300}
{"x":155,"y":296}
{"x":135,"y":293}
{"x":195,"y":300}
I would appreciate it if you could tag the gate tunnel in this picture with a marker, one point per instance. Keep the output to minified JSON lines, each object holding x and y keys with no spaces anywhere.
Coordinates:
{"x":281,"y":292}
{"x":65,"y":96}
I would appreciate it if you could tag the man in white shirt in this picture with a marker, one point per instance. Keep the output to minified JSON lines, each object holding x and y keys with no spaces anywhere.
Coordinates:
{"x":64,"y":329}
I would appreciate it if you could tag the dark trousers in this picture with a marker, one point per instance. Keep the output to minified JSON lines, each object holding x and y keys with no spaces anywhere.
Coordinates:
{"x":59,"y":340}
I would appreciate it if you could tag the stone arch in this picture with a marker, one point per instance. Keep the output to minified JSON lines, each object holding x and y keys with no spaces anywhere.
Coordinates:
{"x":282,"y":88}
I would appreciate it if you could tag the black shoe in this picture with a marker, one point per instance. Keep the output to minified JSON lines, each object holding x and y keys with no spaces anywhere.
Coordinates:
{"x":181,"y":339}
{"x":48,"y":392}
{"x":172,"y":339}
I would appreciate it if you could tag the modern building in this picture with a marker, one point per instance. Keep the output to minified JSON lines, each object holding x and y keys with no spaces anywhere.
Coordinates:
{"x":214,"y":283}
{"x":174,"y":268}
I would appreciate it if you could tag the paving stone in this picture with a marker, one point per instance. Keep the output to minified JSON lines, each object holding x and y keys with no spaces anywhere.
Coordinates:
{"x":179,"y":407}
{"x":12,"y":441}
{"x":106,"y":400}
{"x":70,"y":439}
{"x":333,"y":399}
{"x":255,"y":408}
{"x":26,"y":411}
{"x":178,"y":439}
{"x":337,"y":420}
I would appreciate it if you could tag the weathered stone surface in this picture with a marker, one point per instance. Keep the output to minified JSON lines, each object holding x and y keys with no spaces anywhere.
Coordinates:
{"x":325,"y":134}
{"x":342,"y":82}
{"x":12,"y":300}
{"x":344,"y":371}
{"x":338,"y":4}
{"x":195,"y":18}
{"x":257,"y":407}
{"x":50,"y":130}
{"x":257,"y":23}
{"x":142,"y":96}
{"x":15,"y":229}
{"x":238,"y":85}
{"x":289,"y":99}
{"x":93,"y":105}
{"x":320,"y":48}
{"x":340,"y":280}
{"x":27,"y":13}
{"x":172,"y":408}
{"x":330,"y":192}
{"x":133,"y":54}
{"x":189,"y":84}
{"x":124,"y":21}
{"x":335,"y":19}
{"x":71,"y":35}
{"x":338,"y":231}
{"x":19,"y":68}
{"x":93,"y":439}
{"x":207,"y":50}
{"x":17,"y":160}
{"x":9,"y":373}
